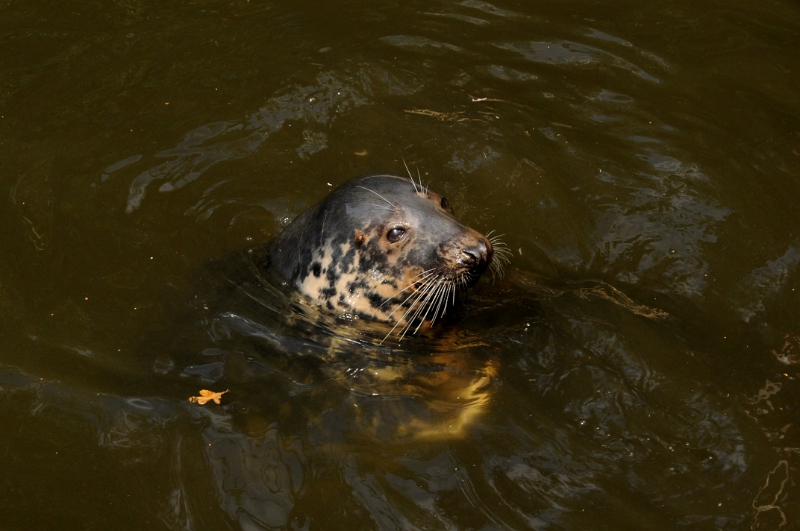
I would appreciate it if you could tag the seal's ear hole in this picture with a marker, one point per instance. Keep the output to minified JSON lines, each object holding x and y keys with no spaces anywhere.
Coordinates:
{"x":359,"y":237}
{"x":446,"y":205}
{"x":395,"y":234}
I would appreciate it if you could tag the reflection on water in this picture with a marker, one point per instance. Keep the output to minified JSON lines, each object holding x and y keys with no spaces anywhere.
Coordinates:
{"x":767,"y":282}
{"x":574,"y":54}
{"x":213,"y":143}
{"x":257,"y":476}
{"x":595,"y":414}
{"x":637,"y":369}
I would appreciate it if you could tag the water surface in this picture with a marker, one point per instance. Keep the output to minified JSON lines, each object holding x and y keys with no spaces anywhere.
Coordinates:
{"x":643,"y":162}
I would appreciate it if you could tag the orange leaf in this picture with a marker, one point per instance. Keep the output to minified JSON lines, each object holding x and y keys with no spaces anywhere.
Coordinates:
{"x":206,"y":395}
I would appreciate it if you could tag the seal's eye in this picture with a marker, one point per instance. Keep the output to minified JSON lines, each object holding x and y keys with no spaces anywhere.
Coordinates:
{"x":395,"y":234}
{"x":446,"y":204}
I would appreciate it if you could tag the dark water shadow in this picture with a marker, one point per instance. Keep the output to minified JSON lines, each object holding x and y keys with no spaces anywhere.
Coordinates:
{"x":594,"y":401}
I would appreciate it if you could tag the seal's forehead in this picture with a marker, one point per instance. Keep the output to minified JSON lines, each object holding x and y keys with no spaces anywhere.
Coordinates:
{"x":386,"y":183}
{"x":384,"y":198}
{"x":383,"y":191}
{"x":377,"y":199}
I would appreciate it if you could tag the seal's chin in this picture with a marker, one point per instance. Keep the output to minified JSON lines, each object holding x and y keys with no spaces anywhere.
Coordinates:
{"x":472,"y":278}
{"x":480,"y":269}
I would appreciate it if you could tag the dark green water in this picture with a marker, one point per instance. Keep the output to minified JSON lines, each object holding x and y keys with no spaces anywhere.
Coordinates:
{"x":642,"y":160}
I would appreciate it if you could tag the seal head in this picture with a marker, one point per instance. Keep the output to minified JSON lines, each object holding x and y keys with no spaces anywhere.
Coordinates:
{"x":382,"y":247}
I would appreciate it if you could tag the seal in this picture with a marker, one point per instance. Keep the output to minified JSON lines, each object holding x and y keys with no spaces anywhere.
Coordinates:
{"x":386,"y":248}
{"x":387,"y":252}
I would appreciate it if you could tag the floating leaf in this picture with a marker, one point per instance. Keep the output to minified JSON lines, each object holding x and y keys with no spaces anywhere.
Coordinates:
{"x":206,"y":395}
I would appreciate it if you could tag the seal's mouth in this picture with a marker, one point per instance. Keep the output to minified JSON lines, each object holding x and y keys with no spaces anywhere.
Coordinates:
{"x":474,"y":276}
{"x":431,"y":295}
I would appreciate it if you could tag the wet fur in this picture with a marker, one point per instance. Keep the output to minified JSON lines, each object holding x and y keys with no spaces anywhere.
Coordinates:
{"x":337,"y":252}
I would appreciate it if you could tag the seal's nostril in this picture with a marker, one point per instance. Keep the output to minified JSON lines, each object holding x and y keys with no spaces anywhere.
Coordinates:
{"x":477,"y":254}
{"x":470,"y":256}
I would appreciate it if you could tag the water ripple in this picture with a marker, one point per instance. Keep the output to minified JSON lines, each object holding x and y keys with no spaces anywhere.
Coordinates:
{"x":210,"y":144}
{"x":573,"y":54}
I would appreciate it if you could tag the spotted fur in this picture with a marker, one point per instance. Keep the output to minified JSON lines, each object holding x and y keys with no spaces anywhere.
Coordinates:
{"x":377,"y":247}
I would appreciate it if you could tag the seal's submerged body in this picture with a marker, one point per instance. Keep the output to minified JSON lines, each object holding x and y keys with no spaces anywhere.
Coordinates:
{"x":383,"y":247}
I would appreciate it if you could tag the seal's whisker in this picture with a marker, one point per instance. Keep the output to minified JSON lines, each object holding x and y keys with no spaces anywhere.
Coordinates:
{"x":417,"y":294}
{"x":422,"y":306}
{"x":411,"y":284}
{"x":426,"y":287}
{"x":421,"y":303}
{"x":424,"y":302}
{"x":502,"y":256}
{"x":438,"y":301}
{"x":410,"y":176}
{"x":401,"y":319}
{"x":433,"y":294}
{"x":424,"y":187}
{"x":427,"y":304}
{"x":499,"y":245}
{"x":501,"y":252}
{"x":445,"y":298}
{"x":379,"y":195}
{"x":420,"y":277}
{"x":410,"y":308}
{"x":442,"y":304}
{"x":382,"y":207}
{"x":392,"y":330}
{"x":496,"y":271}
{"x":397,"y":323}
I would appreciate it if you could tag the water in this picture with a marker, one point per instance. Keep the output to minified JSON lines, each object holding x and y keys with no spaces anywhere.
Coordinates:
{"x":641,"y":160}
